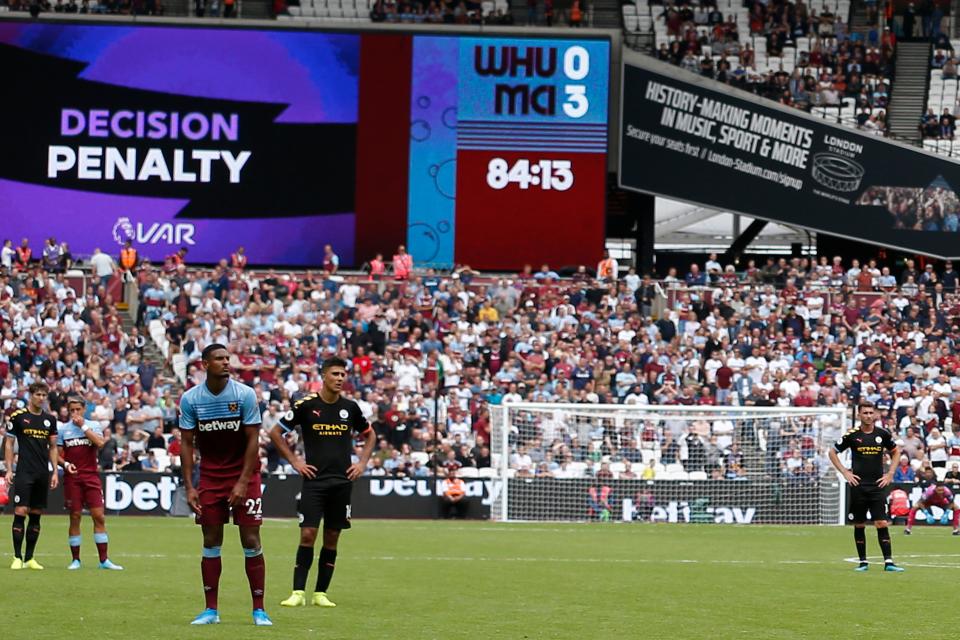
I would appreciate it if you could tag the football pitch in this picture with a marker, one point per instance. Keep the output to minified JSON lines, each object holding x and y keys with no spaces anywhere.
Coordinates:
{"x":423,"y":580}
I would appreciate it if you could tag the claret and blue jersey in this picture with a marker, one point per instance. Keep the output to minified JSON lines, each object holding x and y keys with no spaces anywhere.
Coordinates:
{"x":218,"y":420}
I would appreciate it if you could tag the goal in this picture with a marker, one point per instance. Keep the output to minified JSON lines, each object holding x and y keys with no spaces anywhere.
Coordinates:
{"x":635,"y":463}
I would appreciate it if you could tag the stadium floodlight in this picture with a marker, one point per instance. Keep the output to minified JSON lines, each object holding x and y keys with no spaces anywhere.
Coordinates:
{"x":576,"y":462}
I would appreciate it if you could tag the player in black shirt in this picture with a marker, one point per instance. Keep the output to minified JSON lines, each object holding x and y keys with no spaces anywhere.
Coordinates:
{"x":35,"y":432}
{"x":868,"y":482}
{"x":329,"y":424}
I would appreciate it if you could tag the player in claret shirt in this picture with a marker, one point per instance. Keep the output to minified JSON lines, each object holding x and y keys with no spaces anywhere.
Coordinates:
{"x":79,"y":442}
{"x":329,"y":423}
{"x":221,"y":418}
{"x":868,"y":482}
{"x":35,"y":432}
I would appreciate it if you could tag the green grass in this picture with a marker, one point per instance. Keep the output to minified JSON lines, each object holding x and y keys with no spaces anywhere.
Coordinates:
{"x":422,"y":580}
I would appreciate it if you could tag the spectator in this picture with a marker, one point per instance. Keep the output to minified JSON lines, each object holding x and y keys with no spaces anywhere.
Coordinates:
{"x":51,"y":255}
{"x":904,"y":473}
{"x":103,"y":267}
{"x":952,"y":478}
{"x":7,"y":256}
{"x":331,"y":261}
{"x":238,"y":259}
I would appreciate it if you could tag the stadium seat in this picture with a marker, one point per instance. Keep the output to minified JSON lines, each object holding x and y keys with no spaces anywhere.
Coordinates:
{"x":698,"y":475}
{"x":577,"y":468}
{"x":487,"y":472}
{"x":420,"y":456}
{"x":468,"y":472}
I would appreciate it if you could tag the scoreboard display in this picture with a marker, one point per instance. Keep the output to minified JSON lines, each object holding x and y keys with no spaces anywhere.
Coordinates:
{"x":529,"y":173}
{"x":483,"y":150}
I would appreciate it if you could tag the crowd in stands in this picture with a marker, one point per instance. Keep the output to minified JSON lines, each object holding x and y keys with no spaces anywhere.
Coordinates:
{"x":67,"y":331}
{"x":430,"y":355}
{"x":943,"y":93}
{"x":89,"y":7}
{"x":808,"y":60}
{"x":453,"y":12}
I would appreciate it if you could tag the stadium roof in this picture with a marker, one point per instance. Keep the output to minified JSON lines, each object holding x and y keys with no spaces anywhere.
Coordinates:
{"x":685,"y":227}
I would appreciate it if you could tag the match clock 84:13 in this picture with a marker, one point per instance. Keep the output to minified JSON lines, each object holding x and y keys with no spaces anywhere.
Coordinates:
{"x":545,"y":174}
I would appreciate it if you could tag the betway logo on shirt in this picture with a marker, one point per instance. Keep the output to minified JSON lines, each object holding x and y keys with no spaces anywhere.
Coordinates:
{"x":232,"y":424}
{"x":77,"y":442}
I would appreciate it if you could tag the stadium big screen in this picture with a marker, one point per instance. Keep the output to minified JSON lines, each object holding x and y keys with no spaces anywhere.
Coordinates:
{"x":467,"y":149}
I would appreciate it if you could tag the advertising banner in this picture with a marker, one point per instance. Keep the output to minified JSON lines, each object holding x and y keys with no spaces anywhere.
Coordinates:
{"x":709,"y":501}
{"x":157,"y":494}
{"x":696,"y":140}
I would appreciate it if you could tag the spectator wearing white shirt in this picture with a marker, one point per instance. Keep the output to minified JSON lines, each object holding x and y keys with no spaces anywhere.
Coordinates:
{"x":103,"y":266}
{"x":937,"y":448}
{"x":713,"y":268}
{"x":7,"y":254}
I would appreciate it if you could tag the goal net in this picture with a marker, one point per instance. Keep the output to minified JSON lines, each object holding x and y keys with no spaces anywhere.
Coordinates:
{"x":736,"y":465}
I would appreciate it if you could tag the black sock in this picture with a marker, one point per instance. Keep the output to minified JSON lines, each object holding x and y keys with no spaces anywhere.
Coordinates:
{"x":883,"y":537}
{"x":18,"y":526}
{"x":328,"y":558}
{"x":860,"y":538}
{"x":302,"y":568}
{"x":33,"y":534}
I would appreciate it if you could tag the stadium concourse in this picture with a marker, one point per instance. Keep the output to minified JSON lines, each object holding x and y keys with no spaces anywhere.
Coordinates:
{"x":790,"y":333}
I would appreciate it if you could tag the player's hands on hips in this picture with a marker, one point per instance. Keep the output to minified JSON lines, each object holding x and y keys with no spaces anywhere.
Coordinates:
{"x":238,"y":494}
{"x":193,"y":499}
{"x":851,"y":478}
{"x":354,"y":472}
{"x":304,"y":469}
{"x":70,"y":468}
{"x":884,"y":481}
{"x":54,"y":480}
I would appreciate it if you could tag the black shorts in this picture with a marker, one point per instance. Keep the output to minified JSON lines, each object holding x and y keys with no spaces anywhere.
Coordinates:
{"x":30,"y":490}
{"x":329,"y":502}
{"x":867,"y":498}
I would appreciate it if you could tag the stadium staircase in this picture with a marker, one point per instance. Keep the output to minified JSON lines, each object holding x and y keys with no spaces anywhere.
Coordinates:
{"x":858,"y":20}
{"x":152,"y":354}
{"x":256,"y":9}
{"x":606,"y":14}
{"x":909,"y":95}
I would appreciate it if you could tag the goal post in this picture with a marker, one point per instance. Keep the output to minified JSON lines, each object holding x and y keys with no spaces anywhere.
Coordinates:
{"x":702,"y":464}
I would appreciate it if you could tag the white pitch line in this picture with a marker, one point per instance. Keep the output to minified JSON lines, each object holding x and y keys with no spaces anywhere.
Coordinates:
{"x":556,"y":560}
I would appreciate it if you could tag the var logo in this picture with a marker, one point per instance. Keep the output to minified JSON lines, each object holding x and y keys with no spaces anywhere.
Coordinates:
{"x":155,"y":233}
{"x":148,"y":495}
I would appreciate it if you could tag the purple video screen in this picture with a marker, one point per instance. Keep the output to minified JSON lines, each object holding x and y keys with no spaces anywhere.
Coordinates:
{"x":215,"y":139}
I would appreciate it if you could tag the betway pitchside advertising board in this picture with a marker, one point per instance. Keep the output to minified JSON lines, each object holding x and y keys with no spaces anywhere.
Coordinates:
{"x":697,"y":140}
{"x":152,"y":494}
